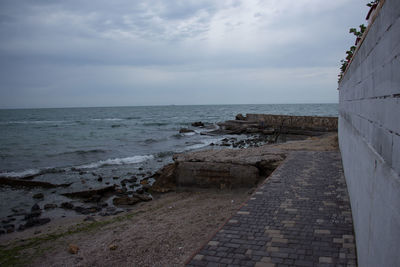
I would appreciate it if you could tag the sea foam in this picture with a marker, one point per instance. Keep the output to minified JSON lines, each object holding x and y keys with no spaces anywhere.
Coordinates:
{"x":116,"y":161}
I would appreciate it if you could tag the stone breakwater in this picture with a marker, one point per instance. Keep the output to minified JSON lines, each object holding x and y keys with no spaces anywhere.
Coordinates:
{"x":222,"y":169}
{"x":270,"y":124}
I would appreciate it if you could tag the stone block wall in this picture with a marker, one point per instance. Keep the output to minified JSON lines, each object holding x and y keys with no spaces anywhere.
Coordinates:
{"x":301,"y":122}
{"x":369,"y":139}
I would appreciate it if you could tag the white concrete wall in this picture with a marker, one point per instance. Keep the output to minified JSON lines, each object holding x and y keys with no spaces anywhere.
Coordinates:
{"x":369,"y":138}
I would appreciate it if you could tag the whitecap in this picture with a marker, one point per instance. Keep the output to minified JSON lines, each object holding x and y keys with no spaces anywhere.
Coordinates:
{"x":116,"y":161}
{"x":20,"y":174}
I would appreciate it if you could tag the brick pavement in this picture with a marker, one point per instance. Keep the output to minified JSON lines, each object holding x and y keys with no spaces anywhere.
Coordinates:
{"x":300,"y":216}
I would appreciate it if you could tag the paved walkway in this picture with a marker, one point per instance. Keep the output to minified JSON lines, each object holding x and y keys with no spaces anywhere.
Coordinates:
{"x":300,"y":216}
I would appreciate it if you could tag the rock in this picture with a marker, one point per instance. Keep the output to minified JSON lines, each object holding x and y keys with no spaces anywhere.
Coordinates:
{"x":50,"y":206}
{"x":67,"y":205}
{"x":103,"y":205}
{"x":165,"y":179}
{"x":240,"y":117}
{"x":185,"y":130}
{"x":140,"y":190}
{"x":94,"y":198}
{"x":35,"y":207}
{"x":38,"y":195}
{"x":143,"y":197}
{"x":33,"y":214}
{"x":73,"y":249}
{"x":9,"y":228}
{"x":83,"y":210}
{"x":89,"y":210}
{"x":8,"y":220}
{"x":125,"y":200}
{"x":112,"y":247}
{"x":225,"y":168}
{"x":29,"y":184}
{"x":90,"y":193}
{"x":198,"y":124}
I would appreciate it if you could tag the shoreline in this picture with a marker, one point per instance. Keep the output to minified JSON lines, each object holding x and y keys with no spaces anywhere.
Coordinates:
{"x":51,"y":193}
{"x":149,"y":224}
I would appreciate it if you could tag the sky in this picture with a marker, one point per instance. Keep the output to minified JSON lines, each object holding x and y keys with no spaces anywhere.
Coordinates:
{"x":81,"y":53}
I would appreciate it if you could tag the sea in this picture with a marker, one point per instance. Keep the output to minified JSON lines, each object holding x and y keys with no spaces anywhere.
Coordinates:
{"x":79,"y":145}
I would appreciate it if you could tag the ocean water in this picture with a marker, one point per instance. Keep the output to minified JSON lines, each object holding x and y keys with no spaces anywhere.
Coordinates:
{"x":77,"y":145}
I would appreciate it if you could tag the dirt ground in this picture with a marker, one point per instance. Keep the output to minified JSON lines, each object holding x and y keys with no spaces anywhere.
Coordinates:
{"x":163,"y":232}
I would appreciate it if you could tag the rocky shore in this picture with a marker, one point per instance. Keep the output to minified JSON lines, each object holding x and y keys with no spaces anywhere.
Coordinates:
{"x":238,"y":161}
{"x":162,"y":232}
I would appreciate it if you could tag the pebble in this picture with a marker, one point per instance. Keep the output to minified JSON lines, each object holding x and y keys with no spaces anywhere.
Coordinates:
{"x":73,"y":249}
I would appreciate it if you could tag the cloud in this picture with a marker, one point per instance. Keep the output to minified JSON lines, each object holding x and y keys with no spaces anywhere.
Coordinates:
{"x":159,"y":50}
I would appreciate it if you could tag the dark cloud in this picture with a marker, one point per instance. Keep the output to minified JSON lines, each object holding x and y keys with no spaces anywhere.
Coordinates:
{"x":136,"y":48}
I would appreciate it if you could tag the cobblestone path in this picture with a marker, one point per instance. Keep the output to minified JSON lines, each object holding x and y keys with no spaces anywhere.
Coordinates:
{"x":300,"y":216}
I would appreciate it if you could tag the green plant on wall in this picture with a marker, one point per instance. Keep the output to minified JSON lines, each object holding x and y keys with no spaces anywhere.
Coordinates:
{"x":359,"y":33}
{"x":373,"y":3}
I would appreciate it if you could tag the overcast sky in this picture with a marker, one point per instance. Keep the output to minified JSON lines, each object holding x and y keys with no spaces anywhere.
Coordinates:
{"x":159,"y":52}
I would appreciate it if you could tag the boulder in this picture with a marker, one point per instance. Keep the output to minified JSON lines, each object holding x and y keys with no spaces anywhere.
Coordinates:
{"x":226,"y":168}
{"x":165,"y":179}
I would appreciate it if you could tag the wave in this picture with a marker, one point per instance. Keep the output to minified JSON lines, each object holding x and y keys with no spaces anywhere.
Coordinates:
{"x":109,"y":119}
{"x":204,"y":143}
{"x":30,"y":173}
{"x":118,"y":125}
{"x":21,"y":174}
{"x":151,"y":141}
{"x":116,"y":161}
{"x":132,"y":118}
{"x":31,"y":122}
{"x":81,"y":152}
{"x":156,"y":123}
